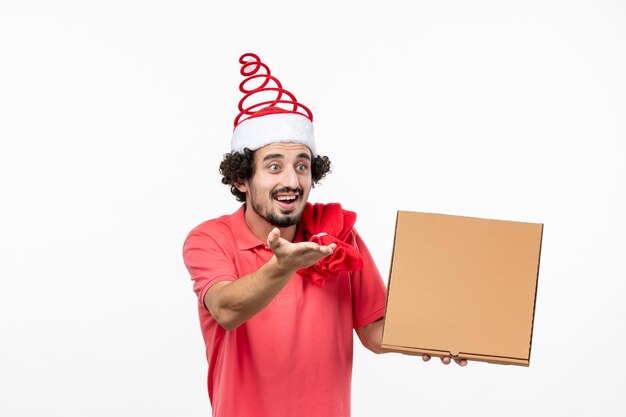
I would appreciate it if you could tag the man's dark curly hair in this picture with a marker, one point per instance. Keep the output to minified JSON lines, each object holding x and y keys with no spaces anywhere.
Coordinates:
{"x":236,"y":167}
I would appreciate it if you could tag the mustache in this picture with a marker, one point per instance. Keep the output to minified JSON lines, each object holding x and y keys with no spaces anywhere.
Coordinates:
{"x":298,"y":191}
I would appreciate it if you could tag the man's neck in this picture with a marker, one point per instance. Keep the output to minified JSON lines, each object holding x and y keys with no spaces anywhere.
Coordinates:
{"x":260,"y":227}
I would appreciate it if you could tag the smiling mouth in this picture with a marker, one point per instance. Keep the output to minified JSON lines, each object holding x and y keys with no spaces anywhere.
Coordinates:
{"x":287,"y":197}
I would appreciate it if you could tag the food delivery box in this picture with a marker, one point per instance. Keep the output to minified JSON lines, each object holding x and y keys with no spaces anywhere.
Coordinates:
{"x":462,"y":287}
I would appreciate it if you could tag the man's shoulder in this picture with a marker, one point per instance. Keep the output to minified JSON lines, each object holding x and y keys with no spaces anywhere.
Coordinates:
{"x":219,"y":226}
{"x":212,"y":224}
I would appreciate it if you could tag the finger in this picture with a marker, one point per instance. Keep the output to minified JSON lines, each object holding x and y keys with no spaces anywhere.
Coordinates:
{"x":445,"y":360}
{"x":327,"y":250}
{"x":308,"y":246}
{"x":425,"y":358}
{"x":312,"y":246}
{"x":461,"y":362}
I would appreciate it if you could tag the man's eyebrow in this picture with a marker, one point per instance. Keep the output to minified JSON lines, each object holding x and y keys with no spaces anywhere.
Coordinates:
{"x":303,"y":155}
{"x":273,"y":156}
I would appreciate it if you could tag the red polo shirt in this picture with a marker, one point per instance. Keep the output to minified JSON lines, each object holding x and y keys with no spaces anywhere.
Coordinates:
{"x":294,"y":358}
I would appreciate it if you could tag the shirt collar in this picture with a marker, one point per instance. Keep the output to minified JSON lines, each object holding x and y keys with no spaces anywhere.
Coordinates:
{"x":245,"y":238}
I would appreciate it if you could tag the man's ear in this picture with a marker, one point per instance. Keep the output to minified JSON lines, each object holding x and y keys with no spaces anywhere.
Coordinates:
{"x":241,"y":185}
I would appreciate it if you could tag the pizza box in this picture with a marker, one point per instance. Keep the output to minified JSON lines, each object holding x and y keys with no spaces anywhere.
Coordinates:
{"x":463,"y":287}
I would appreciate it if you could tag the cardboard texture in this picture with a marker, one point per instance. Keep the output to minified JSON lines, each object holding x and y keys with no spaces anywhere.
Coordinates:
{"x":462,"y":287}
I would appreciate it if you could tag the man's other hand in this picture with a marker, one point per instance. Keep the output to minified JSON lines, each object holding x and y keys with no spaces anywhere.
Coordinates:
{"x":446,"y":360}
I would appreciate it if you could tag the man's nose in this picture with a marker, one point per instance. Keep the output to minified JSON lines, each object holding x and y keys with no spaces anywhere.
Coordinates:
{"x":290,"y":178}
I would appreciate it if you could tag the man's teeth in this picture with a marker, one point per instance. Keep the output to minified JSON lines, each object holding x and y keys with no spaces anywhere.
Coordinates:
{"x":286,"y":198}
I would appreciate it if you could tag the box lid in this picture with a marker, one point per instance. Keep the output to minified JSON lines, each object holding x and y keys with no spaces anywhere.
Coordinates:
{"x":463,"y":286}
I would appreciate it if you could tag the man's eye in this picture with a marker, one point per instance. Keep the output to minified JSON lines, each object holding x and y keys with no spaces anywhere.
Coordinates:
{"x":301,"y":167}
{"x":274,"y":167}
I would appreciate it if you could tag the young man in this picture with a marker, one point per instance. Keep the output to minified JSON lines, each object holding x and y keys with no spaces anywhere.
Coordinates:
{"x":281,"y":283}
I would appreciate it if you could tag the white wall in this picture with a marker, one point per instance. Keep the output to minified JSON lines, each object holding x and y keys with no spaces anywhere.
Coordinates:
{"x":114,"y":117}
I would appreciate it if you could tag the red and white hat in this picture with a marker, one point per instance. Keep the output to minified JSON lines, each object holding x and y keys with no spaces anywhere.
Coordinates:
{"x":267,"y":112}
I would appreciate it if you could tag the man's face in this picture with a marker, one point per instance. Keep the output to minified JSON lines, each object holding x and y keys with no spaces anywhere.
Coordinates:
{"x":281,"y":183}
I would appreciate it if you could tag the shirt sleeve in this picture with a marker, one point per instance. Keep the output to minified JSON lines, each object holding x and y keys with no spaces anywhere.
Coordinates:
{"x":207,"y":261}
{"x":369,"y":293}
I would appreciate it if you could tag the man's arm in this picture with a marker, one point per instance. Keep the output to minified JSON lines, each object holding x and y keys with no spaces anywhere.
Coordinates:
{"x":371,"y":337}
{"x":233,"y":303}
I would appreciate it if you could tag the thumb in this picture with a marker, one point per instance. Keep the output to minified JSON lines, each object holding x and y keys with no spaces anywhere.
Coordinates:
{"x":273,"y":238}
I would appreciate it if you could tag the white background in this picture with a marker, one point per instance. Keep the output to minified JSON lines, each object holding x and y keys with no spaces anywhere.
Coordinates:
{"x":114,"y":117}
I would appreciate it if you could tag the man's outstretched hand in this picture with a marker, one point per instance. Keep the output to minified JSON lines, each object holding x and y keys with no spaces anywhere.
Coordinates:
{"x":232,"y":303}
{"x":294,"y":256}
{"x":446,"y":360}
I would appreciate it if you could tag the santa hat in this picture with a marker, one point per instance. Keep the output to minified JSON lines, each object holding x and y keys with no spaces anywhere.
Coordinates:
{"x":267,"y":112}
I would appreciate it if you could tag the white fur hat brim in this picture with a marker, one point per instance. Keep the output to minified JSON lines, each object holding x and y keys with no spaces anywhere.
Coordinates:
{"x":256,"y":132}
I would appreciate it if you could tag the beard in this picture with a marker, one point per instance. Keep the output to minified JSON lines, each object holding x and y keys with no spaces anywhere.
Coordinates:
{"x":284,"y":221}
{"x":278,"y":219}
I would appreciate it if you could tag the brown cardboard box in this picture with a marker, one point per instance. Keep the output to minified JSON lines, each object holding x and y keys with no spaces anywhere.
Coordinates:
{"x":463,"y":287}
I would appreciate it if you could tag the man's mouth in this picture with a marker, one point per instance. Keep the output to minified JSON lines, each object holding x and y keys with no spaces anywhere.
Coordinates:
{"x":287,"y":198}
